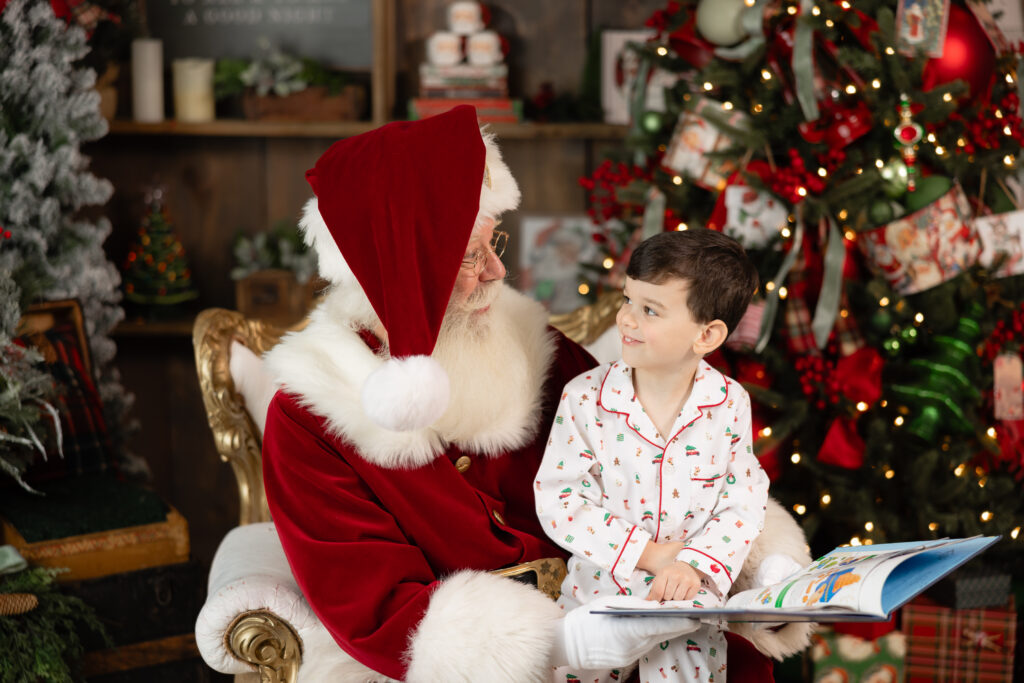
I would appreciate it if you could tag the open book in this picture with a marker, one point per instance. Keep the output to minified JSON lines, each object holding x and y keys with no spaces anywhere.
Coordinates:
{"x":861,"y":583}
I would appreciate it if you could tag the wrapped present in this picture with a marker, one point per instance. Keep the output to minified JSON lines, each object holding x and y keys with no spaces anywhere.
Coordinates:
{"x":698,"y":131}
{"x":844,"y":658}
{"x":1002,"y":241}
{"x":925,"y":248}
{"x":754,"y":217}
{"x":966,"y":646}
{"x":972,"y":588}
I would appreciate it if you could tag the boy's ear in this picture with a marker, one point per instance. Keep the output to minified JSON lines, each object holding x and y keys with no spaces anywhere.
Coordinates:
{"x":711,"y":338}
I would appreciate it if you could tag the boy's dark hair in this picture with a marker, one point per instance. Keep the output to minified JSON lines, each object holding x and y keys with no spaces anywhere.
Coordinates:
{"x":720,"y":277}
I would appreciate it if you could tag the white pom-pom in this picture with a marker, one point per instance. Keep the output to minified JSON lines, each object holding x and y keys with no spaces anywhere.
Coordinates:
{"x":406,"y":393}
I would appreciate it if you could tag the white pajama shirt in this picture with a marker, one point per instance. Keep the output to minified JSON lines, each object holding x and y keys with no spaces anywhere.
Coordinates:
{"x":609,"y":483}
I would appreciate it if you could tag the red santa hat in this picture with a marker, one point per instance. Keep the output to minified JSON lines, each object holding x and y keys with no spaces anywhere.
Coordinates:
{"x":393,"y":213}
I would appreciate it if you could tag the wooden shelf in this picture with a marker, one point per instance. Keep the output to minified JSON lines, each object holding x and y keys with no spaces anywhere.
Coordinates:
{"x":341,"y":129}
{"x":163,"y":328}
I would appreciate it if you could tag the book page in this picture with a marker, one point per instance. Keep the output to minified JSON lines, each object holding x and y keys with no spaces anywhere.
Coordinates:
{"x":846,"y":584}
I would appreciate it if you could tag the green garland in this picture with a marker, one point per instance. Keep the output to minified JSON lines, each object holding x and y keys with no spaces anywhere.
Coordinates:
{"x":45,"y":643}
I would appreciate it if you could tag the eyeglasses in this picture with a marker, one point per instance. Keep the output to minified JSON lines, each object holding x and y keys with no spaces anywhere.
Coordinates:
{"x":476,"y":261}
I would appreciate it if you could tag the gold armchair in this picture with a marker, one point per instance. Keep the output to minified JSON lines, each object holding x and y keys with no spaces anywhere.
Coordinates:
{"x":255,"y":619}
{"x":246,"y":634}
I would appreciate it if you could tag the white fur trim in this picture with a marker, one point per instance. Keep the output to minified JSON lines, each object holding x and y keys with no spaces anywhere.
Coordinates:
{"x":406,"y":393}
{"x":483,"y":627}
{"x":323,"y":661}
{"x":317,"y":236}
{"x":503,"y":194}
{"x":781,"y":535}
{"x":253,"y":382}
{"x":327,"y":363}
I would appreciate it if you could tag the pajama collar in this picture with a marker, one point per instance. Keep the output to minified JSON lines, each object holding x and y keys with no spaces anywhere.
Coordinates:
{"x":617,"y":395}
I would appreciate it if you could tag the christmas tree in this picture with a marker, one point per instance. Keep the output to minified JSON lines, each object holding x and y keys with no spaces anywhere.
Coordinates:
{"x":156,"y":272}
{"x":870,"y":170}
{"x":48,"y":109}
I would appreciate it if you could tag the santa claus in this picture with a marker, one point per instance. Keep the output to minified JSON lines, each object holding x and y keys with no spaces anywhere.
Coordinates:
{"x":413,"y":410}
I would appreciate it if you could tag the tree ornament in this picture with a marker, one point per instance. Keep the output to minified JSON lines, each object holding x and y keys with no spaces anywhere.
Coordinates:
{"x":718,"y":21}
{"x":967,"y":55}
{"x":896,"y":175}
{"x":892,"y":346}
{"x":881,"y":320}
{"x":929,"y":190}
{"x":909,"y":336}
{"x":907,"y":133}
{"x":941,"y":393}
{"x":652,"y":121}
{"x":881,"y":212}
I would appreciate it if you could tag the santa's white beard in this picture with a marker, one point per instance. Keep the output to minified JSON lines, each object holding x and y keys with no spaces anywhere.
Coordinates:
{"x":488,"y":366}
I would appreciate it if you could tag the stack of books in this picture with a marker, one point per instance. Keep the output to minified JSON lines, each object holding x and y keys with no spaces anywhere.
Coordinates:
{"x":483,"y":87}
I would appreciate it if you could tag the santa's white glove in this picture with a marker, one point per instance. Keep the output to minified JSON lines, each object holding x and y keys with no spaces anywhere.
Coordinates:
{"x":600,"y":641}
{"x":774,"y":568}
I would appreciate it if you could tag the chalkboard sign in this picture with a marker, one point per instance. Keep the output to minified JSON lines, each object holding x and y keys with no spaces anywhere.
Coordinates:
{"x":338,"y":33}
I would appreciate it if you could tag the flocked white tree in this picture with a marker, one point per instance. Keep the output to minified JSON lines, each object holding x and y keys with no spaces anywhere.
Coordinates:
{"x":48,"y":108}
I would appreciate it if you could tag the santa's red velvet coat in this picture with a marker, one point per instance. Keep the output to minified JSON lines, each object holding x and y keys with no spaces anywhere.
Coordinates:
{"x":379,"y":526}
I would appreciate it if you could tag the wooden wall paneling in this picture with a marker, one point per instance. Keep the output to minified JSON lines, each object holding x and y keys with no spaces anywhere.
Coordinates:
{"x":174,"y":438}
{"x":284,"y":182}
{"x":547,"y":173}
{"x":213,"y":190}
{"x":624,"y":14}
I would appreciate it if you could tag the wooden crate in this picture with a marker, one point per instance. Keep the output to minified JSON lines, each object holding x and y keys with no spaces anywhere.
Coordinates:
{"x":150,"y":616}
{"x":274,"y":296}
{"x":107,"y":552}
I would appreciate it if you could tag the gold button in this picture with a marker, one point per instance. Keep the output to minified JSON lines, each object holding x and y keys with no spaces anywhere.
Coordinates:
{"x":498,"y":518}
{"x":463,"y":463}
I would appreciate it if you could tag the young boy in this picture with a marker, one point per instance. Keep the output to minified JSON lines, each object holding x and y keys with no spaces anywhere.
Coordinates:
{"x":649,"y":476}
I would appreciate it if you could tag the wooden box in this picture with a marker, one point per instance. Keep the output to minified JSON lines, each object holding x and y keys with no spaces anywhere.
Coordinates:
{"x":311,"y":104}
{"x":150,"y":617}
{"x":274,"y":296}
{"x":107,"y":552}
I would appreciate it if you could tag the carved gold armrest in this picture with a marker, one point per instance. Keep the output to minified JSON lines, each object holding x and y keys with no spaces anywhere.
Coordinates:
{"x":550,"y":572}
{"x":263,"y":639}
{"x":235,"y":435}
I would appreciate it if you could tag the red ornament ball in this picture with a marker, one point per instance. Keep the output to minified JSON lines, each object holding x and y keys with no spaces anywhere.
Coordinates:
{"x":967,"y":55}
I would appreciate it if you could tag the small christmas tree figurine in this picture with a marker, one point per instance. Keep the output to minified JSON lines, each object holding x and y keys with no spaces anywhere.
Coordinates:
{"x":156,"y":272}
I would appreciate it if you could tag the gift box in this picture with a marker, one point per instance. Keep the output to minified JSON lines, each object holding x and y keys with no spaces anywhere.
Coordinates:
{"x":698,"y":132}
{"x":966,"y":646}
{"x":925,"y":248}
{"x":843,"y":658}
{"x":972,"y":589}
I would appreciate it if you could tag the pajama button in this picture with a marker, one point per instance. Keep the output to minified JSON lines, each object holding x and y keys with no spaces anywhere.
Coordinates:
{"x":498,"y":518}
{"x":463,"y":463}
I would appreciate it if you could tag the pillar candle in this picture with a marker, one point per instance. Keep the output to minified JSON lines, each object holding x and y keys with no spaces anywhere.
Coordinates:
{"x":148,"y":80}
{"x":193,"y":89}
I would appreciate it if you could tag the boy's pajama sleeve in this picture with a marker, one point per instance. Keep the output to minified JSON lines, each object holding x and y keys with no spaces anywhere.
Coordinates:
{"x":570,"y":492}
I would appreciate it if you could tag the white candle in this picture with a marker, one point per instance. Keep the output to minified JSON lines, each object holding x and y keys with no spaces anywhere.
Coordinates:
{"x":193,"y":89}
{"x":148,"y":80}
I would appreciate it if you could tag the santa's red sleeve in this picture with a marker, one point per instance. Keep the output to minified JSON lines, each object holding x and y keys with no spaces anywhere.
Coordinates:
{"x":372,"y":588}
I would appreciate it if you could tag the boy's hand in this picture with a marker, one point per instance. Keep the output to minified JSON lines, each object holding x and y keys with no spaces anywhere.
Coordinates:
{"x":677,"y":581}
{"x":657,"y":556}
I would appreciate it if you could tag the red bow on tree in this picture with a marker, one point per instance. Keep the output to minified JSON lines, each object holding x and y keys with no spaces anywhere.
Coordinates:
{"x":859,"y":377}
